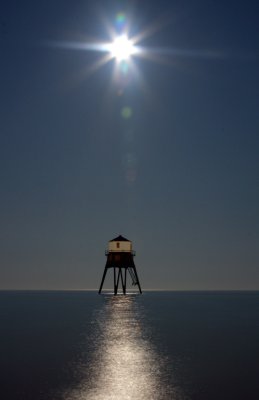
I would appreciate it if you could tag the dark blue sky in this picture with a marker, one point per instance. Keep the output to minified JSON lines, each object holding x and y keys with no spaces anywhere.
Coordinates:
{"x":179,"y":177}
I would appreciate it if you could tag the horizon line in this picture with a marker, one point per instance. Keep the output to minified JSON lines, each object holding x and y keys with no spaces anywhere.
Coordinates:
{"x":129,"y":291}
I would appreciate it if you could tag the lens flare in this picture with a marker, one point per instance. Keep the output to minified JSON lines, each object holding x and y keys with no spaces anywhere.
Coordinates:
{"x":126,"y":112}
{"x":120,"y":20}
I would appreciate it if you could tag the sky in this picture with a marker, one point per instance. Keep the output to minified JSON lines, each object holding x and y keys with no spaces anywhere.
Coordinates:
{"x":164,"y":152}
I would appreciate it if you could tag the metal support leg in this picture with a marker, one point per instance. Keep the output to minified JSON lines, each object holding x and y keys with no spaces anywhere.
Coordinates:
{"x":125,"y":281}
{"x":114,"y":279}
{"x":103,"y":278}
{"x":118,"y":280}
{"x":137,"y":280}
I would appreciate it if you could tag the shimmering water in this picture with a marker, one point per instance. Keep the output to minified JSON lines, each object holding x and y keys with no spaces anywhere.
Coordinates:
{"x":160,"y":346}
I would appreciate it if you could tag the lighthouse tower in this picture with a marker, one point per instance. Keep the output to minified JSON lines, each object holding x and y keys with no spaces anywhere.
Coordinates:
{"x":120,"y":259}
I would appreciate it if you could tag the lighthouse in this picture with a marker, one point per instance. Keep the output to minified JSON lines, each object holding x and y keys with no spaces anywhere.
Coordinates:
{"x":120,"y":258}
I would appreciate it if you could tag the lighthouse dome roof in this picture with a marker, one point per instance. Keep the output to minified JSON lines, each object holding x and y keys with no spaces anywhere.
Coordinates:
{"x":120,"y":239}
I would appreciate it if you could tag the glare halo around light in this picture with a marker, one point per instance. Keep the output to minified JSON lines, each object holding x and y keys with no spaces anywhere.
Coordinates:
{"x":122,"y":48}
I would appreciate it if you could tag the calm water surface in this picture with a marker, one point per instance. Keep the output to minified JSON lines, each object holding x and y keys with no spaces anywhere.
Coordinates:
{"x":161,"y":345}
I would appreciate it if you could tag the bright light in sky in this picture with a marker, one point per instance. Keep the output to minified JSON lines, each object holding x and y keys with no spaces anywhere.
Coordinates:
{"x":122,"y":48}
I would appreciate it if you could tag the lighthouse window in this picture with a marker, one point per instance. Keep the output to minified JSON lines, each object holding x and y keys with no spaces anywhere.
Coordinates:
{"x":118,"y":245}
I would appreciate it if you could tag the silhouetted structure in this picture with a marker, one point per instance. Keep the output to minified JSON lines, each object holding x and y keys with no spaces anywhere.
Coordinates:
{"x":120,"y":258}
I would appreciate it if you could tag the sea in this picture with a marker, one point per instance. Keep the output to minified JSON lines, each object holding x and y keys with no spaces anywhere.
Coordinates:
{"x":161,"y":345}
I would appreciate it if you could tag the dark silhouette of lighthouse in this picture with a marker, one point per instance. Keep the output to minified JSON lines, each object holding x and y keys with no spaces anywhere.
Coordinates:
{"x":120,"y":259}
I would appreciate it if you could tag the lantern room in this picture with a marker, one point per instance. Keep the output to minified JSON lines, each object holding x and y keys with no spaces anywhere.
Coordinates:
{"x":120,"y":244}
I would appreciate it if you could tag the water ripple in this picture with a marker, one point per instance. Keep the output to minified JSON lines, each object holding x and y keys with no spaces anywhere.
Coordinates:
{"x":124,"y":362}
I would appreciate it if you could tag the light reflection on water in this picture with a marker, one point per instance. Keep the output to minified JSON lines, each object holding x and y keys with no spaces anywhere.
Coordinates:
{"x":124,"y":363}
